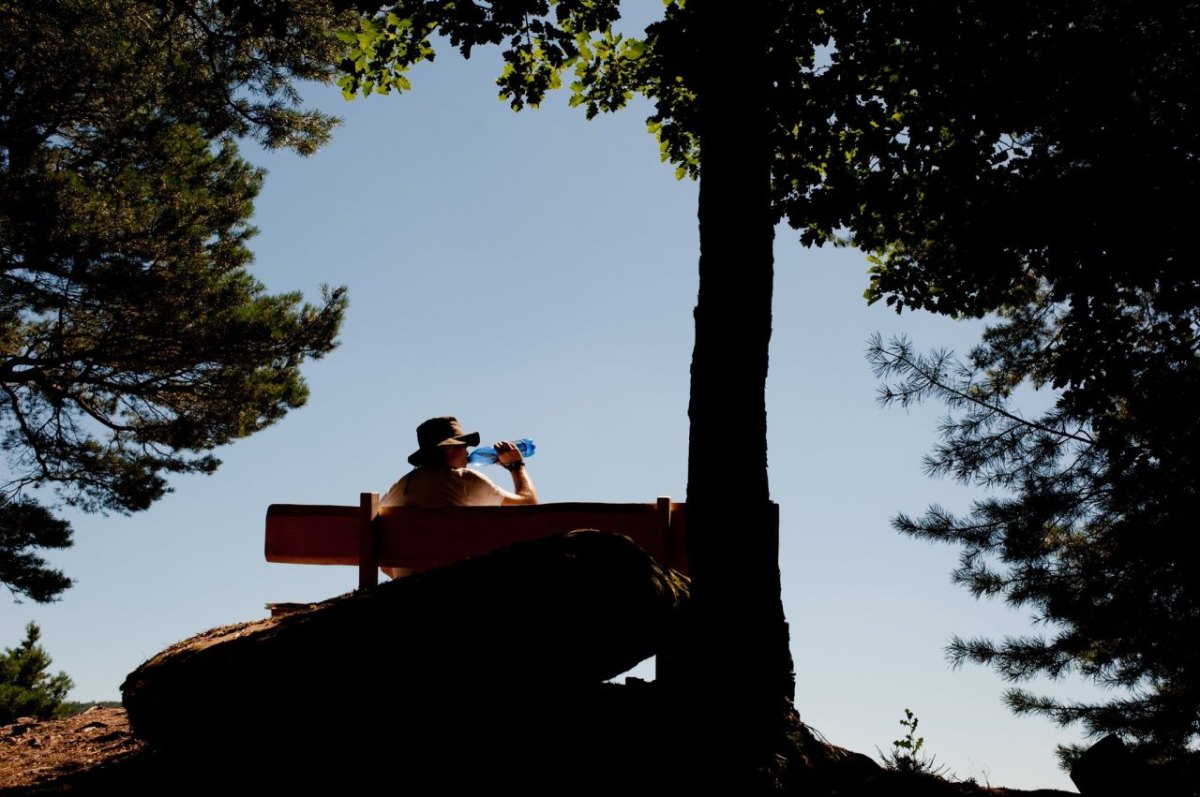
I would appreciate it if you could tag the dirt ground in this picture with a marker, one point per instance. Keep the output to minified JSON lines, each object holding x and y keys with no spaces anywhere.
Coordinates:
{"x":96,"y":753}
{"x":35,"y":752}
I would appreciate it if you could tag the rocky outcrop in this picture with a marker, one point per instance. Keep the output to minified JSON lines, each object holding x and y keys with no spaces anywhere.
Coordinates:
{"x":485,"y":677}
{"x":400,"y":666}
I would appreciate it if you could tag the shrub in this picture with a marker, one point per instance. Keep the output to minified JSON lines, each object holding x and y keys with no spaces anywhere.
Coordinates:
{"x":26,"y":687}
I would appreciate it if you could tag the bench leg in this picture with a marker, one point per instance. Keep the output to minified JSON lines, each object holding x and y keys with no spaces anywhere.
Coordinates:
{"x":368,"y":549}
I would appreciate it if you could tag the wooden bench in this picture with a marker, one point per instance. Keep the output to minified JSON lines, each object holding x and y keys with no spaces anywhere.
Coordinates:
{"x":372,"y":537}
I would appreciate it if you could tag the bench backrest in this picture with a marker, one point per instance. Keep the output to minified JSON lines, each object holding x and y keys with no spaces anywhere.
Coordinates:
{"x":418,"y":539}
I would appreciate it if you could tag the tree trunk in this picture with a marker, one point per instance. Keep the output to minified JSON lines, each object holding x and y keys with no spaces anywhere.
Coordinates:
{"x":735,"y":661}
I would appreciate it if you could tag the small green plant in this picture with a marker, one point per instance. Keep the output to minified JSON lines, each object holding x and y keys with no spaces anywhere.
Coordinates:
{"x":906,"y":752}
{"x":27,"y":689}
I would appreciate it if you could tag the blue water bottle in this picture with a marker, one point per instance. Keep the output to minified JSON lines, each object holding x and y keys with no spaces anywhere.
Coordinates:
{"x":486,"y":455}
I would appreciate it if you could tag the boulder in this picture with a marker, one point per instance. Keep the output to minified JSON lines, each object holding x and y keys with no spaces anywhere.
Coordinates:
{"x":1110,"y":769}
{"x":1107,"y":768}
{"x":440,"y":655}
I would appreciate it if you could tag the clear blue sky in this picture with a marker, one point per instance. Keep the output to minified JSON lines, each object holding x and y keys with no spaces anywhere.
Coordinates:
{"x":534,"y":274}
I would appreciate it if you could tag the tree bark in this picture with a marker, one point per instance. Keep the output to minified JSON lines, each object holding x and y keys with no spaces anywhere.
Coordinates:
{"x":735,"y":658}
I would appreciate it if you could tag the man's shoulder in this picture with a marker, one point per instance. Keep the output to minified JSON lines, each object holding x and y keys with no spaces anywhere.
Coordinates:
{"x":479,"y":490}
{"x":395,"y":496}
{"x":472,"y":475}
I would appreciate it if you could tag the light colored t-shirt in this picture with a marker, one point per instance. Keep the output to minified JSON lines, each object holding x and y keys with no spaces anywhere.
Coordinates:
{"x":435,"y":487}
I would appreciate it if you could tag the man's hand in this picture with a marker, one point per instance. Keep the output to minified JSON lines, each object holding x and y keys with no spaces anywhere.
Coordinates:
{"x":507,"y":452}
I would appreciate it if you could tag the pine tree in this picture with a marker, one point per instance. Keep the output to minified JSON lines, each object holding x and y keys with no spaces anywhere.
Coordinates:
{"x":1039,"y":166}
{"x":133,"y":338}
{"x":1087,"y":520}
{"x":27,"y":689}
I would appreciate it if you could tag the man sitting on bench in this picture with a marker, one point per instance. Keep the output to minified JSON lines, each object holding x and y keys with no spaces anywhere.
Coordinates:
{"x":440,"y":476}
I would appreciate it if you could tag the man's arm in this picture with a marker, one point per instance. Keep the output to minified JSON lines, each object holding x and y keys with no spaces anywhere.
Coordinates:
{"x":524,"y":492}
{"x":522,"y":486}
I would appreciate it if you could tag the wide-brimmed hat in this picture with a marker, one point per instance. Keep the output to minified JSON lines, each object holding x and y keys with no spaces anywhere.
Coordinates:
{"x":443,"y":431}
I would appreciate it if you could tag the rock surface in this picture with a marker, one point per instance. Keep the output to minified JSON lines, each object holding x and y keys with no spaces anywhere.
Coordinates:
{"x":488,"y":634}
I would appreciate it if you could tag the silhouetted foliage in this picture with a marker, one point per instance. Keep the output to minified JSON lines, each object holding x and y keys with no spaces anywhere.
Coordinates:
{"x":133,"y":339}
{"x":1087,"y":523}
{"x":27,"y":689}
{"x":1023,"y":157}
{"x":906,"y":756}
{"x":1054,"y":183}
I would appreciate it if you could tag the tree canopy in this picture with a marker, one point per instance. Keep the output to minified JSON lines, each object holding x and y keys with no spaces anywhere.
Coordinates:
{"x":1022,"y":158}
{"x":1049,"y":175}
{"x":133,"y":338}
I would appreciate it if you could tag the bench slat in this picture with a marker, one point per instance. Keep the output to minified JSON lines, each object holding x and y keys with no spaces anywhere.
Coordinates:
{"x":312,"y":535}
{"x":423,"y":538}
